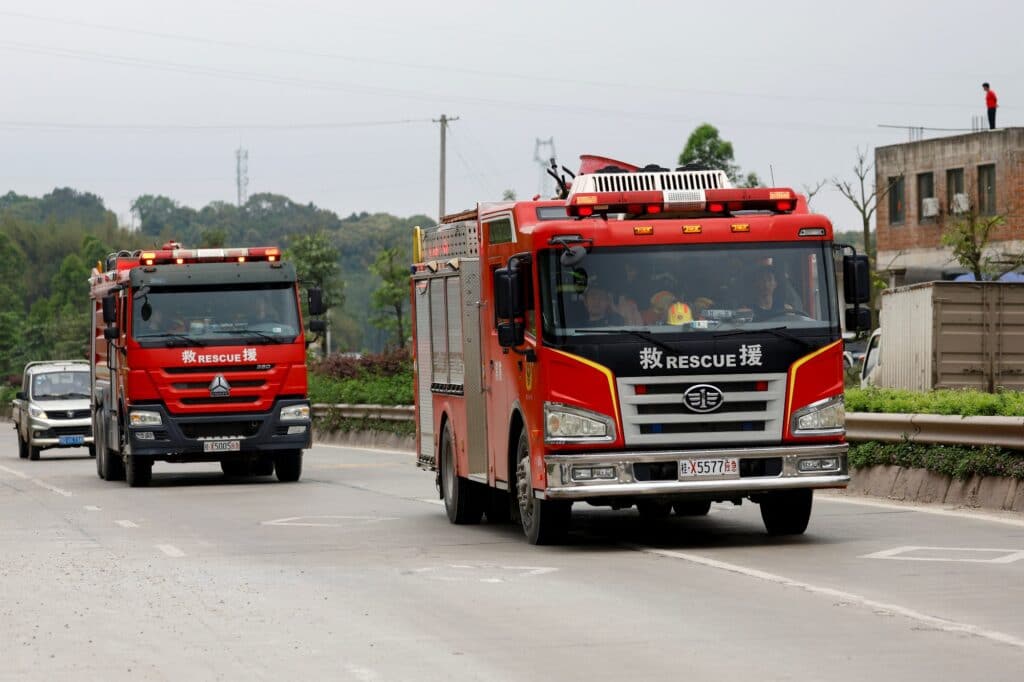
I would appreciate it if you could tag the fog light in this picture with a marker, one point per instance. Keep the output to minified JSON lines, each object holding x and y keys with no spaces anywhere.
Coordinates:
{"x":145,"y":435}
{"x":582,"y":474}
{"x":296,"y":429}
{"x":606,"y":473}
{"x":818,"y":464}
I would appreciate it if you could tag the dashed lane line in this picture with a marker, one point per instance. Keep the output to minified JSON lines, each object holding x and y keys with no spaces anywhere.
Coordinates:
{"x":36,"y":481}
{"x":125,"y":523}
{"x":92,"y":508}
{"x":841,"y":596}
{"x":171,"y":551}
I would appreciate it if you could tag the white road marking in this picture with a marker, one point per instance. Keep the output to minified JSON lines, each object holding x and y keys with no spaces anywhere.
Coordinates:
{"x":124,"y":523}
{"x":36,"y":481}
{"x":362,"y":449}
{"x":91,"y":507}
{"x":298,"y":521}
{"x":170,"y":550}
{"x":1011,"y":518}
{"x":470,"y":572}
{"x":361,"y":673}
{"x":845,"y":597}
{"x":1005,"y":556}
{"x":430,"y":501}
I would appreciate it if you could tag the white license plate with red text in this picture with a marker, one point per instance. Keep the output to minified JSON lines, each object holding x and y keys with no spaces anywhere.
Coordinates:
{"x":725,"y":467}
{"x":222,"y":446}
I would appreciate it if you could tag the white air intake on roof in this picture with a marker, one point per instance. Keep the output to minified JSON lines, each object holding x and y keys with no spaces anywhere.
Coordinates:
{"x":664,"y":181}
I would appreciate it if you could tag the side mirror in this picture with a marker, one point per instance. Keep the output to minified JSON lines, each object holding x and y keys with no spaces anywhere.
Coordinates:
{"x":109,"y":309}
{"x":316,"y":301}
{"x":508,"y":299}
{"x":318,"y":326}
{"x":20,"y":395}
{"x":511,"y":334}
{"x":856,"y":279}
{"x":111,"y":333}
{"x":858,"y":319}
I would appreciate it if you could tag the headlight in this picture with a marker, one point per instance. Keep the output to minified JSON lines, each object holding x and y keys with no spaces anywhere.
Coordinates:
{"x":823,"y":418}
{"x":565,"y":424}
{"x":141,"y":418}
{"x":293,"y":413}
{"x":37,"y":413}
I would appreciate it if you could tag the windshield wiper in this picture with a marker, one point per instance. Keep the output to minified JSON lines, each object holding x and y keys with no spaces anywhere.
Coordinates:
{"x":779,"y":332}
{"x":254,"y":332}
{"x":67,"y":396}
{"x":170,"y":336}
{"x":646,"y":336}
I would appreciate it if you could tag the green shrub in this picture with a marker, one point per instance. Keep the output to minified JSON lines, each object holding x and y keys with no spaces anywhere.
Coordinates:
{"x":964,"y":403}
{"x":332,"y":421}
{"x":955,"y":461}
{"x":363,"y":390}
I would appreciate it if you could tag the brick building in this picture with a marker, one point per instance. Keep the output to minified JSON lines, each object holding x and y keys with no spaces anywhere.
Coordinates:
{"x":935,"y":181}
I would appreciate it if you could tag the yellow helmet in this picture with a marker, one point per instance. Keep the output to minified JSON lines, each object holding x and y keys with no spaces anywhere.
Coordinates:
{"x":679,"y":313}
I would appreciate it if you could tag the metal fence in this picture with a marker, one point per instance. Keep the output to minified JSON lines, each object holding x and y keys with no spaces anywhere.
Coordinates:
{"x":1007,"y":432}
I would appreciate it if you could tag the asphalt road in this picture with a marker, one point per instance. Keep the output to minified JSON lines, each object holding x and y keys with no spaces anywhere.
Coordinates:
{"x":354,"y":573}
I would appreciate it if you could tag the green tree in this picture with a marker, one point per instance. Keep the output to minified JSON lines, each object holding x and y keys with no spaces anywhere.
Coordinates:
{"x":969,"y":235}
{"x":160,"y":216}
{"x":391,"y":297}
{"x":316,"y":263}
{"x":706,"y":148}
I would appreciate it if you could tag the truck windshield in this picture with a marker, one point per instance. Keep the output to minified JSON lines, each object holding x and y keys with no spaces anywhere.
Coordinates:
{"x":60,"y":386}
{"x":709,"y":288}
{"x":175,"y":316}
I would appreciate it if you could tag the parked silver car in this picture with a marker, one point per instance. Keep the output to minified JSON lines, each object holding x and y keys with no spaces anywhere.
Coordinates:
{"x":52,"y":409}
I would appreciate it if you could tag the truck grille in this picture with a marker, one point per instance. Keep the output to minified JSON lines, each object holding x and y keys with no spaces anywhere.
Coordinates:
{"x":239,"y":429}
{"x":654,"y":413}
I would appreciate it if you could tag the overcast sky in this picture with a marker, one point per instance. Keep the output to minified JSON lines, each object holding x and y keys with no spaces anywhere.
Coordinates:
{"x":334,"y":100}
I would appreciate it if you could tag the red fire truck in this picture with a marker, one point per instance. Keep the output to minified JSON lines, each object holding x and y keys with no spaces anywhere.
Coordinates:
{"x":199,"y":355}
{"x":656,"y":338}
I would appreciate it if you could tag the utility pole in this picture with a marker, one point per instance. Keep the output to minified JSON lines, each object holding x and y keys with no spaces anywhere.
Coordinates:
{"x":544,"y":163}
{"x":444,"y":121}
{"x":242,"y":175}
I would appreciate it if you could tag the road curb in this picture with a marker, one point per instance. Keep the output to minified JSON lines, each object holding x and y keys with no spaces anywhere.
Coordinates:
{"x":381,"y":440}
{"x":920,"y":485}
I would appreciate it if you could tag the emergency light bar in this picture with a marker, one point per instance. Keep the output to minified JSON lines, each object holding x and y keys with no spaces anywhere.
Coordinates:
{"x":181,"y":256}
{"x":679,"y":191}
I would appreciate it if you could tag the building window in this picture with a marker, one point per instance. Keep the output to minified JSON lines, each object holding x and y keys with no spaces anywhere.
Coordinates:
{"x":987,"y":189}
{"x":954,"y":187}
{"x":927,"y":204}
{"x":897,"y":205}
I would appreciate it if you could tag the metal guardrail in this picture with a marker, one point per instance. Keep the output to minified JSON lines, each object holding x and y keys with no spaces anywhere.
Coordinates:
{"x":388,"y":412}
{"x":1007,"y":432}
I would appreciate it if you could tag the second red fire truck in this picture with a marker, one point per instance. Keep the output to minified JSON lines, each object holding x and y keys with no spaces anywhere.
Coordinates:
{"x":199,"y":355}
{"x":656,"y":339}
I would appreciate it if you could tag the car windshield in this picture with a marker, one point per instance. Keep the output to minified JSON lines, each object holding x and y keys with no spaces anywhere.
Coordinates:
{"x":709,"y":288}
{"x":215,"y":316}
{"x":60,"y":385}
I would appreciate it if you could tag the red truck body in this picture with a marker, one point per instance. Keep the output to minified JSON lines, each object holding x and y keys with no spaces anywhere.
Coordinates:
{"x":198,"y":355}
{"x":681,"y":392}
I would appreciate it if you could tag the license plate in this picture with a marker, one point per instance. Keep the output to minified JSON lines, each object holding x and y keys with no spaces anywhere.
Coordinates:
{"x":727,"y":467}
{"x":222,"y":446}
{"x":72,"y":440}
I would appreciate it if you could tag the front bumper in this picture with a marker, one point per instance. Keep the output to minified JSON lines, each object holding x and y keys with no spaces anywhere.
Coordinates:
{"x":49,"y":433}
{"x":185,"y":438}
{"x":637,"y":473}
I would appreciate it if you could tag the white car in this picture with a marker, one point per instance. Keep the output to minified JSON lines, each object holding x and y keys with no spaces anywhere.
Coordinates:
{"x":869,"y":370}
{"x":52,"y":409}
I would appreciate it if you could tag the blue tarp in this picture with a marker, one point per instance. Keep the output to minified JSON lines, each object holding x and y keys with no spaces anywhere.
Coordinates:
{"x":1006,"y":277}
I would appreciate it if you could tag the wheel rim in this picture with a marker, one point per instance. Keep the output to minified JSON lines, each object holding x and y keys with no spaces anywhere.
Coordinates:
{"x":524,"y":490}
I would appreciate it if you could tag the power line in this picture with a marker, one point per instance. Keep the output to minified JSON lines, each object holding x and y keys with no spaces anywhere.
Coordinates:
{"x":214,"y":127}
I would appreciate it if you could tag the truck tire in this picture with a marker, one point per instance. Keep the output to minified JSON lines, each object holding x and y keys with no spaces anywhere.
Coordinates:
{"x":108,"y":462}
{"x":462,"y":498}
{"x":33,"y":453}
{"x":263,"y":466}
{"x":139,"y":471}
{"x":288,"y":466}
{"x":92,"y":449}
{"x":545,"y":522}
{"x":654,"y":510}
{"x":787,"y":513}
{"x":22,"y":448}
{"x":694,"y":508}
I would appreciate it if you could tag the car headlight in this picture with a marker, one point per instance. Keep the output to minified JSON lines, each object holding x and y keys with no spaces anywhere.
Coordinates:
{"x":565,"y":424}
{"x":293,"y":413}
{"x":37,"y":413}
{"x":144,"y":418}
{"x":823,"y":418}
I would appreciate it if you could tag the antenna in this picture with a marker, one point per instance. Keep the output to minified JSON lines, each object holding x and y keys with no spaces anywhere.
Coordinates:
{"x":543,"y":185}
{"x":242,"y":175}
{"x":771,"y":172}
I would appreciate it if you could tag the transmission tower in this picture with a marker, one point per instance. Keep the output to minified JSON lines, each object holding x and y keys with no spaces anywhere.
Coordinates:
{"x":242,"y":175}
{"x":544,"y":188}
